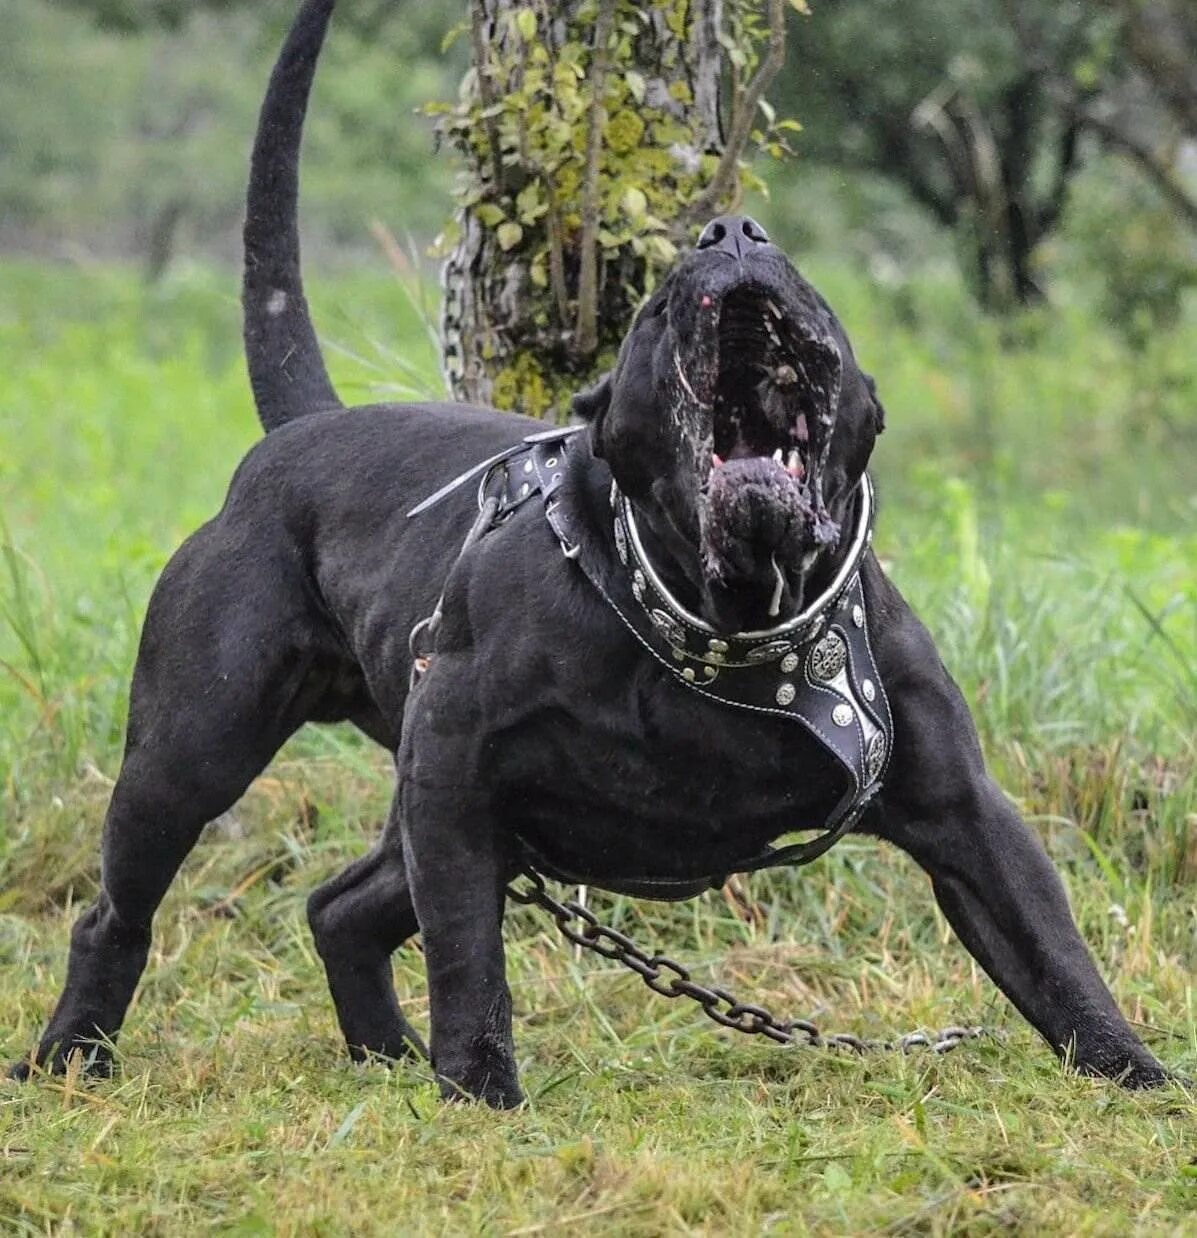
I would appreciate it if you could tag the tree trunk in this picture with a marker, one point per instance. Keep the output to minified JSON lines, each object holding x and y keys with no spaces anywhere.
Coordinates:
{"x":581,"y":161}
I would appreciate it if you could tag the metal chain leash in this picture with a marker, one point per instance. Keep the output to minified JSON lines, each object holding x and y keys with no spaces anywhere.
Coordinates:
{"x":671,"y":979}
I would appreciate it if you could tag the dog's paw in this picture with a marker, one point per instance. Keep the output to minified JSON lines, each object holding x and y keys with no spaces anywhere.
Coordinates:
{"x":1140,"y":1078}
{"x":95,"y":1061}
{"x":402,"y":1045}
{"x":499,"y":1088}
{"x":1136,"y":1074}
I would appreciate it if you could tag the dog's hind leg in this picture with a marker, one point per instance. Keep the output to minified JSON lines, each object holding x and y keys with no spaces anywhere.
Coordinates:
{"x":359,"y":919}
{"x":220,"y":683}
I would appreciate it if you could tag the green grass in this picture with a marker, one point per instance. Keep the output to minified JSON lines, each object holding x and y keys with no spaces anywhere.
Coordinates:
{"x":1037,"y":510}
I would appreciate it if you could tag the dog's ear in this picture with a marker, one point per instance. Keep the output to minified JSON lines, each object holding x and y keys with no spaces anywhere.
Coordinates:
{"x":878,"y":409}
{"x":591,"y":404}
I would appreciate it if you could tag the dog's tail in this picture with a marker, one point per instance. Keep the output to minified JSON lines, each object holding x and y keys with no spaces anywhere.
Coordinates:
{"x":286,"y":368}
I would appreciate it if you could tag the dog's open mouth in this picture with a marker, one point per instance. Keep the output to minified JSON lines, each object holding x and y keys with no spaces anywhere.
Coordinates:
{"x":772,"y":387}
{"x":770,"y":380}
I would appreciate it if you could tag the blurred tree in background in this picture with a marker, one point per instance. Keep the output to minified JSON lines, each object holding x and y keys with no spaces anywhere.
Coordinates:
{"x":125,"y":130}
{"x":984,"y":111}
{"x":1030,"y":136}
{"x":128,"y":16}
{"x":132,"y":16}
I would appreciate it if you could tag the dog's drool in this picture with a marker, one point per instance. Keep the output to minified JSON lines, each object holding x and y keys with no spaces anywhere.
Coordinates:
{"x":778,"y":589}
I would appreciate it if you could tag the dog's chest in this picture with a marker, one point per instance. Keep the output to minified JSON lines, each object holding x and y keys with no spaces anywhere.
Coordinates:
{"x":653,"y":780}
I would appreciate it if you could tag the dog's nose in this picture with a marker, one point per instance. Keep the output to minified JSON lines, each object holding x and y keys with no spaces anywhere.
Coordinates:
{"x":732,"y":234}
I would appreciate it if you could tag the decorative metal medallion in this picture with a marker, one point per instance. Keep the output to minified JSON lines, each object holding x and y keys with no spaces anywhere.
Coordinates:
{"x":869,"y":689}
{"x":875,"y":757}
{"x":669,"y":628}
{"x":637,"y":584}
{"x":621,"y":542}
{"x":828,"y":657}
{"x":842,"y":715}
{"x":789,"y":664}
{"x":785,"y":694}
{"x":766,"y":653}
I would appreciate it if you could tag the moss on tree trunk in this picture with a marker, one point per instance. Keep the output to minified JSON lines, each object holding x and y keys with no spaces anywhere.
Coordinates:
{"x":595,"y":138}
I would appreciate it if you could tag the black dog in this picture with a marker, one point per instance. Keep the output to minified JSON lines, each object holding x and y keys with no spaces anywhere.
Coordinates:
{"x":715,"y":659}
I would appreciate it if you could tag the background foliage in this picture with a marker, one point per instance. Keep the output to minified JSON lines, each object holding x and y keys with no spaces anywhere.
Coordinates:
{"x":135,"y":144}
{"x":967,"y":122}
{"x":984,"y":112}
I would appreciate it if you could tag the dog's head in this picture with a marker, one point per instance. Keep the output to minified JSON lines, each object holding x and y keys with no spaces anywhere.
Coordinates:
{"x":737,"y":423}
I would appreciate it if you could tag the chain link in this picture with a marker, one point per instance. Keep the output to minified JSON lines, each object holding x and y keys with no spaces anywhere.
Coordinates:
{"x":671,"y":979}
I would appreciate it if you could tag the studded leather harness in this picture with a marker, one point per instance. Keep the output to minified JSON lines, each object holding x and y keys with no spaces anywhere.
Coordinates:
{"x":816,"y":669}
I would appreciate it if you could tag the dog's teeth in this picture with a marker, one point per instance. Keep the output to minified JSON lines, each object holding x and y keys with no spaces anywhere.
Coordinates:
{"x":774,"y":310}
{"x":777,"y":456}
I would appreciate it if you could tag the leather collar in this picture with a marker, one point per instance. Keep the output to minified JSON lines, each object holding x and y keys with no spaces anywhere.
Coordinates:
{"x":692,"y":639}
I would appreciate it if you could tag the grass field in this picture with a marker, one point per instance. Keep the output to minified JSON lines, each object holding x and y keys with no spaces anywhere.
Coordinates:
{"x":1038,"y":509}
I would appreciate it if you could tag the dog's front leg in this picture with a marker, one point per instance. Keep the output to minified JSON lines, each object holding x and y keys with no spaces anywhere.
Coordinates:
{"x":458,"y":866}
{"x":993,"y":879}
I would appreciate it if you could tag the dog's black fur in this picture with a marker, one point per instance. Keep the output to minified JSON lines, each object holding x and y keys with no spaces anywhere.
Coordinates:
{"x":540,"y":715}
